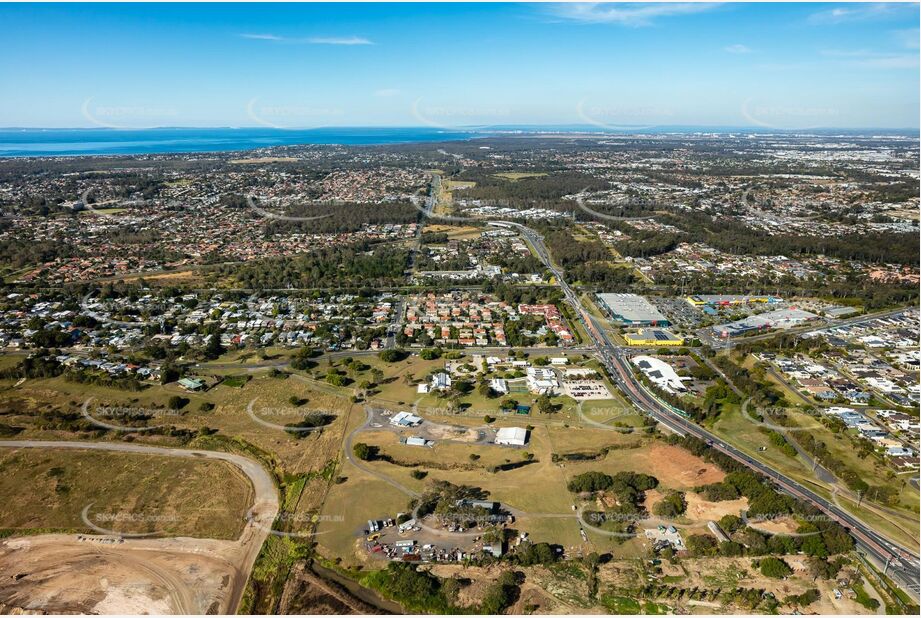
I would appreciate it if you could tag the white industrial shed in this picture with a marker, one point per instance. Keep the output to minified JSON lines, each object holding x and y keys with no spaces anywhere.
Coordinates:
{"x":512,"y":436}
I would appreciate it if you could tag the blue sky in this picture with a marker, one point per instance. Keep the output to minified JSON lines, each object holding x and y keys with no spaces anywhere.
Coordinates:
{"x":614,"y":65}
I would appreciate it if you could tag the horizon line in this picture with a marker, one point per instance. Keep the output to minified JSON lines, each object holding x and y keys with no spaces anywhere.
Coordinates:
{"x":472,"y":128}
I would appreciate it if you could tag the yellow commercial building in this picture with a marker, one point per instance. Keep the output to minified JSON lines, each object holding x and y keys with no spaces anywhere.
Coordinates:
{"x":724,"y":300}
{"x":654,"y":337}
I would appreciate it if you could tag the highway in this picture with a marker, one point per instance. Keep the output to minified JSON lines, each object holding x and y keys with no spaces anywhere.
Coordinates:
{"x":903,"y":564}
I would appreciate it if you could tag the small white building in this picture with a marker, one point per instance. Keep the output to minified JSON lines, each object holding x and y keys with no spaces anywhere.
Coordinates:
{"x":660,"y":373}
{"x":418,"y":441}
{"x":512,"y":436}
{"x":405,"y":419}
{"x":441,"y":381}
{"x":499,"y":385}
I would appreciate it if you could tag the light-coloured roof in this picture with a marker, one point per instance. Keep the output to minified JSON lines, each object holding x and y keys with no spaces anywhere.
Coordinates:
{"x":511,"y":434}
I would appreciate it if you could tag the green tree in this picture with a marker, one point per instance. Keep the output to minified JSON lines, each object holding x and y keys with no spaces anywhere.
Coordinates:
{"x":363,"y":451}
{"x":774,"y":567}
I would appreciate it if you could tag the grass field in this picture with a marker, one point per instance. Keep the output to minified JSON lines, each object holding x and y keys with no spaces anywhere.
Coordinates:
{"x":114,"y":210}
{"x":228,"y":413}
{"x":454,"y":185}
{"x":454,"y":232}
{"x":515,"y":176}
{"x":46,"y":490}
{"x":536,"y":491}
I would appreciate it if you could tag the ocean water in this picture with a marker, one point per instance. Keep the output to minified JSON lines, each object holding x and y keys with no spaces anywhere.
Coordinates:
{"x":101,"y":141}
{"x":69,"y":142}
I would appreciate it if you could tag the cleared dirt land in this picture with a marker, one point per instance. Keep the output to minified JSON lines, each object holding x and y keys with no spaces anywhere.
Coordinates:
{"x":62,"y":574}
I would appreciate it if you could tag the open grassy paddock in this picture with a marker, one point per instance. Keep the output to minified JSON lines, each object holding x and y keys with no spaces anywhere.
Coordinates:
{"x":515,"y":176}
{"x":47,"y":490}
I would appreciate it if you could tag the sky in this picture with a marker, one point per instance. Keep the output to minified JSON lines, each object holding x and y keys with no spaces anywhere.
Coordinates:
{"x":784,"y":66}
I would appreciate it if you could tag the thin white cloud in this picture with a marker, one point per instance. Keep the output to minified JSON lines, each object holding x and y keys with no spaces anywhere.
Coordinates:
{"x":847,"y":53}
{"x":866,"y":58}
{"x":262,"y":37}
{"x":909,"y":39}
{"x":348,"y":40}
{"x":386,"y":92}
{"x":738,"y":48}
{"x":859,"y":12}
{"x":904,"y":61}
{"x":321,"y":40}
{"x":632,"y":14}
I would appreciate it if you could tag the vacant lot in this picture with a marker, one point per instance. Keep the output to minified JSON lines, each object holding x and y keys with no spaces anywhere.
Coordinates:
{"x":675,"y":467}
{"x":224,"y":408}
{"x":62,"y":574}
{"x":129,"y":493}
{"x":513,"y":176}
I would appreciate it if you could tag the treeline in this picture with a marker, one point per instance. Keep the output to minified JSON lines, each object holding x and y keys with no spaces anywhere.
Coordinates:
{"x":530,"y":191}
{"x":629,"y":489}
{"x":340,"y":266}
{"x":853,"y":288}
{"x":603,"y":275}
{"x":751,"y":382}
{"x":515,"y":263}
{"x":17,"y":253}
{"x":39,"y":365}
{"x":339,"y":218}
{"x":527,"y":295}
{"x":645,"y":243}
{"x":734,"y":236}
{"x":567,"y":251}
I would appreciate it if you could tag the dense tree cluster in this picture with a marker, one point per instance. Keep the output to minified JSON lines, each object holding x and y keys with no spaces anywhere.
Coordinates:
{"x":338,"y":267}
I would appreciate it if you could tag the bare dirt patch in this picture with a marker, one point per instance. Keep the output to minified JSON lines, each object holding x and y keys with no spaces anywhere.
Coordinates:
{"x":448,"y":432}
{"x":675,"y":467}
{"x":170,"y":276}
{"x":701,"y":509}
{"x":784,"y":525}
{"x":61,"y":574}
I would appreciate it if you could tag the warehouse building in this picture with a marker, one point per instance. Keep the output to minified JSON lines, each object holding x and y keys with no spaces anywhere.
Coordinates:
{"x":512,"y":436}
{"x":631,"y":309}
{"x":783,"y":318}
{"x":653,"y":337}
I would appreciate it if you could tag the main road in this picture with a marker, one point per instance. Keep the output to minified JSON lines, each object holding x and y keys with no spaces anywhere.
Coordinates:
{"x":902,"y":564}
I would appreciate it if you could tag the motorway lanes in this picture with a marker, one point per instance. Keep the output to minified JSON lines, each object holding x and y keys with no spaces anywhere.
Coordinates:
{"x":904,"y":566}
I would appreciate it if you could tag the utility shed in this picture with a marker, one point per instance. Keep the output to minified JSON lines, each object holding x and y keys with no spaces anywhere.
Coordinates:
{"x":512,"y":436}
